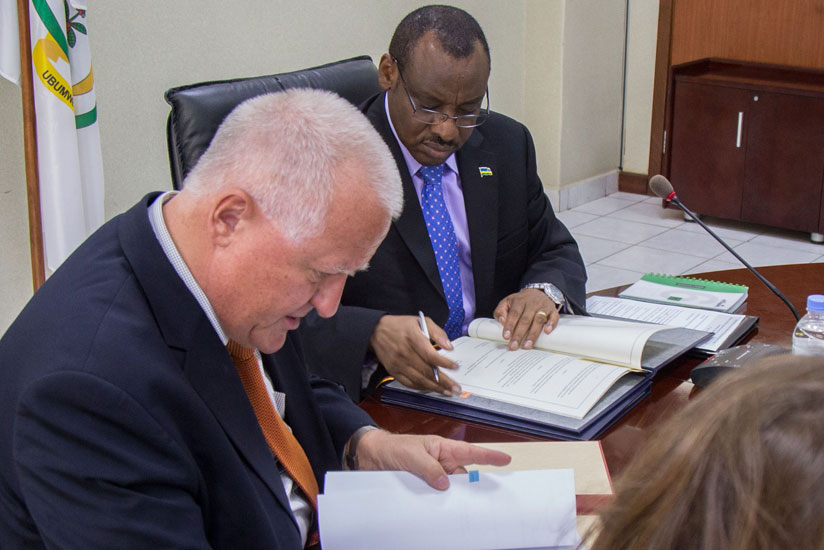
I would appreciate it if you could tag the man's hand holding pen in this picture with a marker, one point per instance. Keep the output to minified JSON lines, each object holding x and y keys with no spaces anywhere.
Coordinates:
{"x":425,"y":331}
{"x":410,"y":356}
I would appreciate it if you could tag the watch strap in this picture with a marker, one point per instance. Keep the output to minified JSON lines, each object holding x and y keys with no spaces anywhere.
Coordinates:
{"x":350,"y":457}
{"x":552,"y":291}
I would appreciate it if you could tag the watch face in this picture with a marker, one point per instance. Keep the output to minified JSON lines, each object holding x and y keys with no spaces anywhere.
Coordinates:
{"x":550,"y":290}
{"x":554,"y":294}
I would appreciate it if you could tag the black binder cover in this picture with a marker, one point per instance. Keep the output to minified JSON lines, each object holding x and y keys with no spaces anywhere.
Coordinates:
{"x":747,"y":326}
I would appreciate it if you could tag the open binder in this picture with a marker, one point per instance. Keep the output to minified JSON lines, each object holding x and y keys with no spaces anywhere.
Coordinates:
{"x":663,"y":347}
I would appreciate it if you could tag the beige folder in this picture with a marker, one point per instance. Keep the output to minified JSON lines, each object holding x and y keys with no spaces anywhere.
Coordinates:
{"x":593,"y":485}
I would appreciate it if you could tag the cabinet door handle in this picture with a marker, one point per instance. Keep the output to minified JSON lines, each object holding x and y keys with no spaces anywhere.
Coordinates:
{"x":738,"y":133}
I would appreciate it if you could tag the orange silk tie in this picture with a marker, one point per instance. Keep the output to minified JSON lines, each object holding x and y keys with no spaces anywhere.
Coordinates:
{"x":280,"y":439}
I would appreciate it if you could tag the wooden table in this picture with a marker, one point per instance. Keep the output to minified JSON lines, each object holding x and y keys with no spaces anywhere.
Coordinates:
{"x":672,"y":389}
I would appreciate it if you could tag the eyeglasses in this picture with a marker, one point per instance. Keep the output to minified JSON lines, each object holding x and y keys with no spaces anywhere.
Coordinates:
{"x":428,"y":116}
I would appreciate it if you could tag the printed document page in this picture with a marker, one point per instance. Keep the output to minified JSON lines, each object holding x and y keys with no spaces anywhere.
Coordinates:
{"x":538,"y":379}
{"x":610,"y":340}
{"x":720,"y":324}
{"x":480,"y":511}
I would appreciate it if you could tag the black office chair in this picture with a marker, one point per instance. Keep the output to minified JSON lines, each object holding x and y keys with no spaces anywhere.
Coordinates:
{"x":198,"y":109}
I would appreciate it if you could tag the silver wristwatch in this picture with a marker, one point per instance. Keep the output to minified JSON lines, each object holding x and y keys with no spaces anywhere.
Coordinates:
{"x":552,"y":291}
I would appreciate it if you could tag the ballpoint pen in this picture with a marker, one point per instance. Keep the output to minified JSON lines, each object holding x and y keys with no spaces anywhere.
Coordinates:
{"x":425,"y":330}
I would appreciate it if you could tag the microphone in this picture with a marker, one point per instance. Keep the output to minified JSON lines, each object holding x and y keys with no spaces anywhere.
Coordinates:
{"x":662,"y":187}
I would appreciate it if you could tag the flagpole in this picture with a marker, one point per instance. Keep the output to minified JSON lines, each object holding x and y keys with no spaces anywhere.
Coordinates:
{"x":38,"y":268}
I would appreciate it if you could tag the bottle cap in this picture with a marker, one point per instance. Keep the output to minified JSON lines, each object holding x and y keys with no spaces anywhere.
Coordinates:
{"x":815,"y":302}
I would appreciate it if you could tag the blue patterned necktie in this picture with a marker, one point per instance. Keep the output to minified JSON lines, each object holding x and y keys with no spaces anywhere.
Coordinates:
{"x":444,"y":244}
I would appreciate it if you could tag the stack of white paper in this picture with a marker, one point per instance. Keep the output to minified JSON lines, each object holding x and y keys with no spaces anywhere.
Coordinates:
{"x":501,"y":510}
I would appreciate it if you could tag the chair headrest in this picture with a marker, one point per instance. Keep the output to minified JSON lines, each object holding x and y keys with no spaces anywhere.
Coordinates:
{"x":198,"y":109}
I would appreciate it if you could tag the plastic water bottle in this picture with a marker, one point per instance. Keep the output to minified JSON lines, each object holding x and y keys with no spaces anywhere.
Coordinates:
{"x":808,"y":337}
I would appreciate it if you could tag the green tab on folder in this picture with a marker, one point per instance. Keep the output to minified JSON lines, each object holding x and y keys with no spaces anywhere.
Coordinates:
{"x":687,"y":292}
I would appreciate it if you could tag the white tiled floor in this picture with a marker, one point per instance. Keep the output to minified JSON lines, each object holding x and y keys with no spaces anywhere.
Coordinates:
{"x":624,"y":235}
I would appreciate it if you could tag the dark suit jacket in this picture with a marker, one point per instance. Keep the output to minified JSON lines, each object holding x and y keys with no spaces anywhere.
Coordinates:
{"x":514,"y":234}
{"x":123,"y":423}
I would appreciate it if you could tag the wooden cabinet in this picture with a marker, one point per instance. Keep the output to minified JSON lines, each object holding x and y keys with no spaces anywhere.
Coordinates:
{"x":746,"y":142}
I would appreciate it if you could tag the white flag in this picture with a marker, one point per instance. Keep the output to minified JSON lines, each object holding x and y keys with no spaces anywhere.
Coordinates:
{"x":10,"y":42}
{"x":68,"y":142}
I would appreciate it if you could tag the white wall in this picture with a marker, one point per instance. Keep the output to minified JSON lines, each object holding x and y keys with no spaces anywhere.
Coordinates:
{"x":139,"y":52}
{"x":543,"y":81}
{"x":642,"y":39}
{"x":592,"y":93}
{"x":140,"y":55}
{"x":15,"y":265}
{"x":573,"y":92}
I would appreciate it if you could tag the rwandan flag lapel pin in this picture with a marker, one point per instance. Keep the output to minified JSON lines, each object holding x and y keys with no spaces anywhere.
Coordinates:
{"x":485,"y":171}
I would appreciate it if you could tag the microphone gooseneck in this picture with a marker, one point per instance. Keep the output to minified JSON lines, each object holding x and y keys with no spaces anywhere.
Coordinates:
{"x":662,"y":187}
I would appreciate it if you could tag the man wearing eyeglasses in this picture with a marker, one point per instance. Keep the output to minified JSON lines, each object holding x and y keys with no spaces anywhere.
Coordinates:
{"x":477,"y":238}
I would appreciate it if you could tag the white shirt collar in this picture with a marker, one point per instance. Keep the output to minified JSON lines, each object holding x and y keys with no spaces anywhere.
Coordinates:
{"x":171,"y":251}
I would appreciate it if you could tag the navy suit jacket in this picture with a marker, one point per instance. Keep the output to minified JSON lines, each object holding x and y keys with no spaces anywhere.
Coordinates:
{"x":124,"y":424}
{"x":515,"y":237}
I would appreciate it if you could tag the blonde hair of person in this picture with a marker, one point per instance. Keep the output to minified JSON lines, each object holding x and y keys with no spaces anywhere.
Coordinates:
{"x":287,"y":150}
{"x":741,"y":468}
